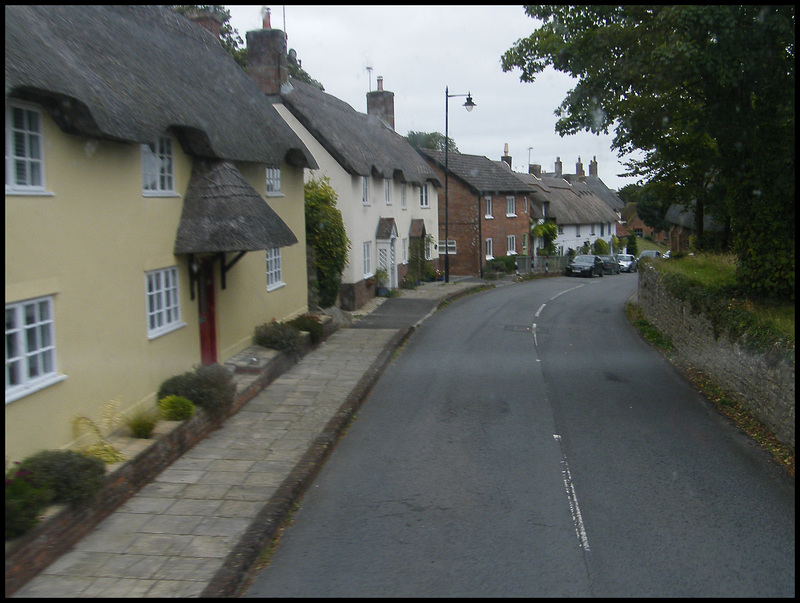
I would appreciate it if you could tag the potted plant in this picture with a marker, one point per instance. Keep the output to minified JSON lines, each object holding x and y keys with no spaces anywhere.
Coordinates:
{"x":382,"y":279}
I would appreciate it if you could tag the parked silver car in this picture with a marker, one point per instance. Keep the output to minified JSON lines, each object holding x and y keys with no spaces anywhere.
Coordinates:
{"x":627,"y":262}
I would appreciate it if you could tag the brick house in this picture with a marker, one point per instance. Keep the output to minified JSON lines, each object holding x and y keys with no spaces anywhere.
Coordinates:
{"x":487,"y":213}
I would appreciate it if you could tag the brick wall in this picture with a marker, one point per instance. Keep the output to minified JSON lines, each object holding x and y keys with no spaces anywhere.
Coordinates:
{"x":765,"y":388}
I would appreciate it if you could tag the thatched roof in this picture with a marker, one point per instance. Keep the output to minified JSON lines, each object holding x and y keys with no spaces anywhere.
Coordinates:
{"x":362,"y":144}
{"x":130,"y":73}
{"x":681,"y":216}
{"x":600,"y":190}
{"x":568,"y":204}
{"x":478,"y":173}
{"x":222,"y":213}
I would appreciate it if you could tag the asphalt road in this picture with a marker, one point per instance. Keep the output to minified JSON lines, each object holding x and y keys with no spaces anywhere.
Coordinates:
{"x":527,"y":442}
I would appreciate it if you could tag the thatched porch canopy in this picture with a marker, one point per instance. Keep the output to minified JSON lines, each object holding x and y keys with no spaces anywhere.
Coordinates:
{"x":223,"y":213}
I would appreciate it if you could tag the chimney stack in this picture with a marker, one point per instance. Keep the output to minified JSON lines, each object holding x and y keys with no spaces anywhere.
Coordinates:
{"x":535,"y":169}
{"x":506,"y":156}
{"x":266,"y":57}
{"x":265,"y":24}
{"x":579,"y":168}
{"x":380,"y":103}
{"x":593,"y":166}
{"x":206,"y":19}
{"x":559,"y":167}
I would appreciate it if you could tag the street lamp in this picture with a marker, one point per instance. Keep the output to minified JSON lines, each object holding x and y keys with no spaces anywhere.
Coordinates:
{"x":469,"y":105}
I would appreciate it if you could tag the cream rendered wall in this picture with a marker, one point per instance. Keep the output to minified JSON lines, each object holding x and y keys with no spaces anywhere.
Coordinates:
{"x":89,"y":245}
{"x":361,"y":222}
{"x":245,"y":302}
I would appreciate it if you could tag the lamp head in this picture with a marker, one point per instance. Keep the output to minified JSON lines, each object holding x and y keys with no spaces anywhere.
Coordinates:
{"x":469,"y":104}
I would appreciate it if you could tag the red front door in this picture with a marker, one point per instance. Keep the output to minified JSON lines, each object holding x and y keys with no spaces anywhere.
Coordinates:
{"x":208,"y":321}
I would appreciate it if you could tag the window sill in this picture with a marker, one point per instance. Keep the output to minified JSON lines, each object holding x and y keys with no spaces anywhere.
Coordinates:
{"x":275,"y":287}
{"x":511,"y":215}
{"x":164,"y":194}
{"x":18,"y":192}
{"x":22,"y":391}
{"x":165,"y":330}
{"x":488,"y":217}
{"x":275,"y":194}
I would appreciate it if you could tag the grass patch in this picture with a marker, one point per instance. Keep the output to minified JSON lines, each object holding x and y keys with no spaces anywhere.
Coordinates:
{"x":648,"y":331}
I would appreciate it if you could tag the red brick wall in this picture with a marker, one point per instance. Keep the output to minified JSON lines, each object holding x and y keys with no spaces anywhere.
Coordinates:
{"x":464,"y":208}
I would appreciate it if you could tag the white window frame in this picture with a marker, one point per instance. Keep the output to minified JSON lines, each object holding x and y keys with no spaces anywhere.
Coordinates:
{"x":367,"y":247}
{"x":274,"y":259}
{"x":162,"y":301}
{"x":387,"y":190}
{"x":405,"y":251}
{"x":158,"y":168}
{"x":489,"y":249}
{"x":447,"y":249}
{"x":561,"y":229}
{"x":577,"y":230}
{"x":273,"y":181}
{"x":488,"y":212}
{"x":423,"y":196}
{"x":364,"y":190}
{"x":403,"y":196}
{"x":511,"y":245}
{"x":29,"y":153}
{"x":511,"y":207}
{"x":30,"y":347}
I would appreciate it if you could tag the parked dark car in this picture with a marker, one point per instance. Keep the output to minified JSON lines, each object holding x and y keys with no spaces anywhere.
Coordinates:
{"x":585,"y":265}
{"x":627,"y":262}
{"x":610,"y":264}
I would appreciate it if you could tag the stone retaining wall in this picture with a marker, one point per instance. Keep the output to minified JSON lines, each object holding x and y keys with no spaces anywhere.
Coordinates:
{"x":765,"y":388}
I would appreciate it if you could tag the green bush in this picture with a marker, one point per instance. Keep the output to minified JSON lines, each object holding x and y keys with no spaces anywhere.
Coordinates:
{"x":310,"y":323}
{"x":176,"y":408}
{"x":210,"y":387}
{"x":505,"y":263}
{"x":142,"y":422}
{"x":72,"y":478}
{"x":278,"y":336}
{"x":25,"y":499}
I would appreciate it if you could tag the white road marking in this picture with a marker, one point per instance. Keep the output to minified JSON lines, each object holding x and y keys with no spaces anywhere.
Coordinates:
{"x":577,"y":520}
{"x":539,"y":311}
{"x":533,"y":330}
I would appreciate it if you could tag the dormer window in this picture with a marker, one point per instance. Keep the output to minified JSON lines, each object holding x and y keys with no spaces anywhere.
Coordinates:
{"x":24,"y":149}
{"x":273,"y":181}
{"x":158,"y":172}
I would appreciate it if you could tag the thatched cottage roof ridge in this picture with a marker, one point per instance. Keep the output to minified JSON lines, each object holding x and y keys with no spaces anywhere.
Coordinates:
{"x":130,"y":73}
{"x":362,"y":144}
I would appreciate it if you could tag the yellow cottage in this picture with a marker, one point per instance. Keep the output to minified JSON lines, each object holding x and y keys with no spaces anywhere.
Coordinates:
{"x":154,"y":212}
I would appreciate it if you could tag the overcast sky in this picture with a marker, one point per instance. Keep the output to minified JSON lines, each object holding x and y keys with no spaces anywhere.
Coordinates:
{"x":420,"y":50}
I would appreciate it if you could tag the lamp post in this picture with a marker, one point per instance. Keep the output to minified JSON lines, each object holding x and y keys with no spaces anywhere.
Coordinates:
{"x":469,"y":105}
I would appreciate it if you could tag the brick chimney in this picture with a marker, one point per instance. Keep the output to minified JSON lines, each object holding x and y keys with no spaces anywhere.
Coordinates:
{"x":266,"y":57}
{"x":579,"y":168}
{"x":380,"y":103}
{"x":535,"y":169}
{"x":593,"y":166}
{"x":559,"y":167}
{"x":206,"y":19}
{"x":506,"y":157}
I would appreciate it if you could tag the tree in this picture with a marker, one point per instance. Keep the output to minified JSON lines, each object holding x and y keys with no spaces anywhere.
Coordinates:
{"x":430,"y":140}
{"x":326,"y":237}
{"x":632,"y":246}
{"x":547,"y":231}
{"x":705,"y":92}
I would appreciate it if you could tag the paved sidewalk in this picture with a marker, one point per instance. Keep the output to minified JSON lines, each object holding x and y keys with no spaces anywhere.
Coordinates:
{"x":197,"y":529}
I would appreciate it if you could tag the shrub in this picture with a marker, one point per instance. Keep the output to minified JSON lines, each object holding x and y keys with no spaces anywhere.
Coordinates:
{"x":210,"y":387}
{"x":506,"y":263}
{"x":278,"y":336}
{"x":72,"y":478}
{"x":310,"y":323}
{"x":176,"y":408}
{"x":25,"y":500}
{"x":142,"y":422}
